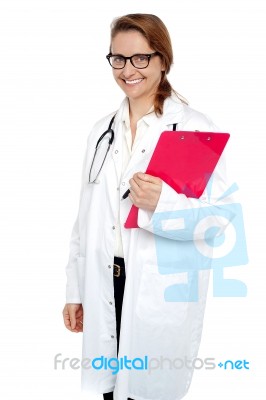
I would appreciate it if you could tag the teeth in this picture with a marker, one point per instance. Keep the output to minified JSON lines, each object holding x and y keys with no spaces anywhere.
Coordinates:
{"x":134,"y":82}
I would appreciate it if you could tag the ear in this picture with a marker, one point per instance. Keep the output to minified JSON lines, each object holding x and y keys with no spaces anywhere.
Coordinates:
{"x":163,"y":67}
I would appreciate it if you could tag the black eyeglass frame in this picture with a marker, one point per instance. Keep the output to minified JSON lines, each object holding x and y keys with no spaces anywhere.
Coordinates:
{"x":130,"y":58}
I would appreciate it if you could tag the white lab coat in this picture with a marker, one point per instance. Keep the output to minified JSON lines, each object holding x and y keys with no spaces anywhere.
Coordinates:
{"x":150,"y":326}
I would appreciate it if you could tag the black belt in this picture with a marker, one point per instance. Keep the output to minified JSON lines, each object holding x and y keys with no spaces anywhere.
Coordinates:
{"x":119,"y":267}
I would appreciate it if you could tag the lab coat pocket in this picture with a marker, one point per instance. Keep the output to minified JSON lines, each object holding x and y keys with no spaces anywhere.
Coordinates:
{"x":81,"y":274}
{"x":154,"y":305}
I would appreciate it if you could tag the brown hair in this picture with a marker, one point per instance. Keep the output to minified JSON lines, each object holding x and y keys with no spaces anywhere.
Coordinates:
{"x":157,"y":35}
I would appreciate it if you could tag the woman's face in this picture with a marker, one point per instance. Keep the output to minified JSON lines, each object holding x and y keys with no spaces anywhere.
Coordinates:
{"x":137,"y":84}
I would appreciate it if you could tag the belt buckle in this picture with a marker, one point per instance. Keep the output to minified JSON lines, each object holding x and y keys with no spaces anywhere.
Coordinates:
{"x":117,"y":270}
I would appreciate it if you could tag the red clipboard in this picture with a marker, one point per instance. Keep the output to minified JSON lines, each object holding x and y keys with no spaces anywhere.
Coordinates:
{"x":184,"y":160}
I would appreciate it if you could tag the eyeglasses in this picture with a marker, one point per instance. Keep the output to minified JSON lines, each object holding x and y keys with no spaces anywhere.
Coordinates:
{"x":101,"y":150}
{"x":140,"y":61}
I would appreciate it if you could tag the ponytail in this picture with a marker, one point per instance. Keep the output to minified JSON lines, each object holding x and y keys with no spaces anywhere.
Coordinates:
{"x":164,"y":90}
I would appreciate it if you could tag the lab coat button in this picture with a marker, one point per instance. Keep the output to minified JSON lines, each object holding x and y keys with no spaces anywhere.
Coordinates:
{"x":110,"y":303}
{"x":113,"y":227}
{"x":123,"y":183}
{"x":116,"y":151}
{"x":109,"y":266}
{"x":143,"y":150}
{"x":112,"y":336}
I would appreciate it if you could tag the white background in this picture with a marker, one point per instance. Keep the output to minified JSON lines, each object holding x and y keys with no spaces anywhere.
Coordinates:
{"x":54,"y":84}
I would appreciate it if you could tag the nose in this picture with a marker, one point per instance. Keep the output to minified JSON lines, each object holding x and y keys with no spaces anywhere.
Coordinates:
{"x":128,"y":69}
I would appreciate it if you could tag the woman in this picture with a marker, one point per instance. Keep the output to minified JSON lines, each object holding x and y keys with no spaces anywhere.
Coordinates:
{"x":114,"y":270}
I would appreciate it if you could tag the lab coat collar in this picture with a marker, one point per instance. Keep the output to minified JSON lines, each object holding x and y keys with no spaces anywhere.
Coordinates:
{"x":172,"y":112}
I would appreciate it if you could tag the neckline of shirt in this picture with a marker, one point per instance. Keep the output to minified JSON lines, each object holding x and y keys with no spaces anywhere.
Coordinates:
{"x":147,"y":118}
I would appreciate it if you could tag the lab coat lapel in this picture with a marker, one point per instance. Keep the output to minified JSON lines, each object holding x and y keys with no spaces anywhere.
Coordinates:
{"x":172,"y":114}
{"x":142,"y":152}
{"x":117,"y":148}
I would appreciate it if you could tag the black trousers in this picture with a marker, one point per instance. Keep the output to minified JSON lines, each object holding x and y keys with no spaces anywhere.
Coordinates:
{"x":119,"y":284}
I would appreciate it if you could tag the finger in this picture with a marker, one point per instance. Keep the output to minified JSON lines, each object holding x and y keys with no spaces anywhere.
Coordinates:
{"x":79,"y":318}
{"x":72,"y":316}
{"x":140,"y":176}
{"x":80,"y":326}
{"x":134,"y":187}
{"x":68,"y":324}
{"x":137,"y":180}
{"x":79,"y":314}
{"x":139,"y":186}
{"x":66,"y":318}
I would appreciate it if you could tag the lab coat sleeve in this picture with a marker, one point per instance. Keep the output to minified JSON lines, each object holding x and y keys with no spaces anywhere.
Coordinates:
{"x":72,"y":285}
{"x":176,"y":215}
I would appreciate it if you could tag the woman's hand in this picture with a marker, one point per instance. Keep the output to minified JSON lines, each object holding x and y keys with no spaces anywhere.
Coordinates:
{"x":73,"y":317}
{"x":145,"y":190}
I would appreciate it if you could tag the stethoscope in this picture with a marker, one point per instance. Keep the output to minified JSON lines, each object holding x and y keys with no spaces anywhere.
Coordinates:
{"x":111,"y":139}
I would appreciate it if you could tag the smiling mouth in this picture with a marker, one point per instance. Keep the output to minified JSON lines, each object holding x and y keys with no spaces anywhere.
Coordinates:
{"x":133,"y":82}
